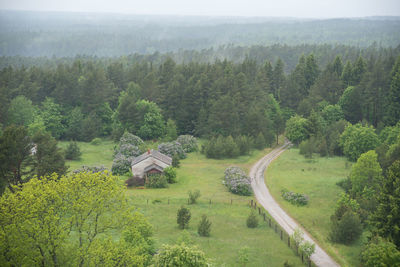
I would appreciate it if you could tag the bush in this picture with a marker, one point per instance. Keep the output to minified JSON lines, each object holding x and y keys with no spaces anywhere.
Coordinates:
{"x":307,"y":148}
{"x":91,"y":169}
{"x":95,"y":141}
{"x":260,"y":143}
{"x":294,"y":198}
{"x":252,"y":220}
{"x":380,"y":252}
{"x":176,"y":161}
{"x":121,"y":164}
{"x":183,"y":217}
{"x":171,"y":149}
{"x":180,"y":256}
{"x":347,"y":229}
{"x":134,"y":181}
{"x":73,"y":152}
{"x":170,"y":174}
{"x":156,"y":180}
{"x":237,"y":181}
{"x":204,"y":228}
{"x":244,"y":144}
{"x":188,"y":142}
{"x":193,"y":196}
{"x":128,"y":138}
{"x":223,"y":147}
{"x":129,"y":150}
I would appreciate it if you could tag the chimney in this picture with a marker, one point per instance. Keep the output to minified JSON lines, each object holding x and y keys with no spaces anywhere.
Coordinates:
{"x":148,"y":151}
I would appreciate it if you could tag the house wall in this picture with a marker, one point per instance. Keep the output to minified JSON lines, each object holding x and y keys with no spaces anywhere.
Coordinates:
{"x":138,"y":169}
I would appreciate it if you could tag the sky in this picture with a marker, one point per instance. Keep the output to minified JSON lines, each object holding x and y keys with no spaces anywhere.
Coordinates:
{"x":247,"y":8}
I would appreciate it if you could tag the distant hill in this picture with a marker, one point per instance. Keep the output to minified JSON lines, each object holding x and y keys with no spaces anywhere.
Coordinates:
{"x":28,"y":33}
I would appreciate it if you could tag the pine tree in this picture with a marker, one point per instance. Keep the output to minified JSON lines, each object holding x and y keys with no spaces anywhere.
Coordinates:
{"x":204,"y":228}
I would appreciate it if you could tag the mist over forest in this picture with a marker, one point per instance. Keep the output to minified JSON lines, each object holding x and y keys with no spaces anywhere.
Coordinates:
{"x":63,"y":34}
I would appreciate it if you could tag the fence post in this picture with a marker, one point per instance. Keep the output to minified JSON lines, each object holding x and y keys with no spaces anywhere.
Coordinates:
{"x":168,"y":201}
{"x":259,"y":210}
{"x":264,"y":217}
{"x":288,"y":241}
{"x":210,"y":201}
{"x":281,"y":235}
{"x":255,"y":205}
{"x":270,"y":222}
{"x":302,"y":257}
{"x":275,"y":228}
{"x":231,"y":201}
{"x":251,"y":203}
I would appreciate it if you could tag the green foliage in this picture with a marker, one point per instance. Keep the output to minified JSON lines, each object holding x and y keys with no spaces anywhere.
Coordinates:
{"x":393,"y":109}
{"x":180,"y":256}
{"x":379,"y":252}
{"x":357,"y":139}
{"x":307,"y":248}
{"x":21,"y":111}
{"x":332,"y":113}
{"x":73,"y":152}
{"x":49,"y":157}
{"x":74,"y":120}
{"x":193,"y":196}
{"x":15,"y":155}
{"x":71,"y":221}
{"x":188,"y":142}
{"x":307,"y":147}
{"x":237,"y":181}
{"x":244,"y":144}
{"x":156,"y":180}
{"x":366,"y":175}
{"x":224,"y":147}
{"x":347,"y":229}
{"x":204,"y":227}
{"x":351,"y":105}
{"x":171,"y":133}
{"x":295,"y":198}
{"x":297,"y":237}
{"x":296,"y":129}
{"x":243,"y":257}
{"x":260,"y":143}
{"x":170,"y":174}
{"x":183,"y":217}
{"x":176,"y":161}
{"x":51,"y":114}
{"x":95,"y":141}
{"x":252,"y":220}
{"x":386,"y":218}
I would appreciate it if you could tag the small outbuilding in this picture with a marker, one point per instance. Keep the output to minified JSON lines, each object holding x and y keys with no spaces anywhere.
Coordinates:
{"x":150,"y":162}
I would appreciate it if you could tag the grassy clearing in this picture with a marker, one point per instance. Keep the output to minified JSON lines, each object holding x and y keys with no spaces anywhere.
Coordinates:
{"x":228,"y":231}
{"x":316,"y":178}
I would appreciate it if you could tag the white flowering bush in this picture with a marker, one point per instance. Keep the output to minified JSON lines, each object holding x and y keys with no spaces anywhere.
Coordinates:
{"x":129,"y":150}
{"x":295,"y":198}
{"x":237,"y":181}
{"x":128,"y":138}
{"x":121,"y":164}
{"x":92,"y":169}
{"x":188,"y":142}
{"x":171,"y":149}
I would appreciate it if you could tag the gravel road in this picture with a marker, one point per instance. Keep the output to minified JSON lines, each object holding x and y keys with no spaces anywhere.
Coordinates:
{"x":261,"y":192}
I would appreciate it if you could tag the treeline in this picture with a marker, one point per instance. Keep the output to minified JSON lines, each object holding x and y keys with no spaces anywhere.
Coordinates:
{"x":70,"y":34}
{"x":84,"y":100}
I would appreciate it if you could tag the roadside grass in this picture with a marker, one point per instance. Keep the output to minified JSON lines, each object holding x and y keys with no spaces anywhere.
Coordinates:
{"x":229,"y":232}
{"x":317,"y":179}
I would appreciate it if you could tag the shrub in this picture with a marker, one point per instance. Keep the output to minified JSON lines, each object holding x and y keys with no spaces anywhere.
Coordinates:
{"x":73,"y":152}
{"x":121,"y":164}
{"x":237,"y":181}
{"x":188,"y":142}
{"x":204,"y":228}
{"x":307,"y":148}
{"x":156,"y":180}
{"x":176,"y":161}
{"x":171,"y":149}
{"x":307,"y":248}
{"x":95,"y":141}
{"x":260,"y":143}
{"x":243,"y":256}
{"x":226,"y":147}
{"x":380,"y":252}
{"x":180,"y":256}
{"x":170,"y":174}
{"x":252,"y":220}
{"x":92,"y":169}
{"x":244,"y":144}
{"x":134,"y":181}
{"x":129,"y":150}
{"x":183,"y":217}
{"x":294,"y":198}
{"x":347,"y":229}
{"x":193,"y":196}
{"x":128,"y":138}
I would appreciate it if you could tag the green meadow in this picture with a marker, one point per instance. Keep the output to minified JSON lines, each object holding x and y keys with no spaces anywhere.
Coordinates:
{"x":317,"y":179}
{"x":227,"y":212}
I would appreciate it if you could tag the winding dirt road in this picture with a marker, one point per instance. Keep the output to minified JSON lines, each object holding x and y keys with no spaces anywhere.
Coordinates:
{"x":261,"y":192}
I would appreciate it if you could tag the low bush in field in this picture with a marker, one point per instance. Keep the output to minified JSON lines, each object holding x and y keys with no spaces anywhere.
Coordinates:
{"x":96,"y":141}
{"x":171,"y":149}
{"x":237,"y":181}
{"x":121,"y":164}
{"x":134,"y":181}
{"x":188,"y":142}
{"x":156,"y":180}
{"x":92,"y":169}
{"x":295,"y":198}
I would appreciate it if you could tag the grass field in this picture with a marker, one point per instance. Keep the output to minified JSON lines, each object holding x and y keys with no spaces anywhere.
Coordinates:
{"x":316,"y":178}
{"x":229,"y":231}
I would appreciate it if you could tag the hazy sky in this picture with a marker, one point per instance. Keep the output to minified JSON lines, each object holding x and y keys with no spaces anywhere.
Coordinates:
{"x":276,"y":8}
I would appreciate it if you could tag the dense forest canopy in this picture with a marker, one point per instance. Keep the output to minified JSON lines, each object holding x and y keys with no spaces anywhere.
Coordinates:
{"x":68,"y":34}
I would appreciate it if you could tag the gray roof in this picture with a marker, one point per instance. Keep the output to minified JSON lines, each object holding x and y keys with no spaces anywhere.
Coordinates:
{"x":153,"y":166}
{"x":155,"y":154}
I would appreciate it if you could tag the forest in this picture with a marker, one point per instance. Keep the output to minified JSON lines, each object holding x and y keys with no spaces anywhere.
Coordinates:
{"x":332,"y":97}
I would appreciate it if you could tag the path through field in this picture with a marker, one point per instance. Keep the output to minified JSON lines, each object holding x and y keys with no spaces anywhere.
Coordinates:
{"x":261,"y":192}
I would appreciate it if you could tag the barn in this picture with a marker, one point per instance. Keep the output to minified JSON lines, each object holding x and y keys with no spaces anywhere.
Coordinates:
{"x":150,"y":162}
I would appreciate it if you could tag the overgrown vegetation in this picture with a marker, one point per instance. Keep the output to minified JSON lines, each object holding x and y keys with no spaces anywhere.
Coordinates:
{"x":237,"y":181}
